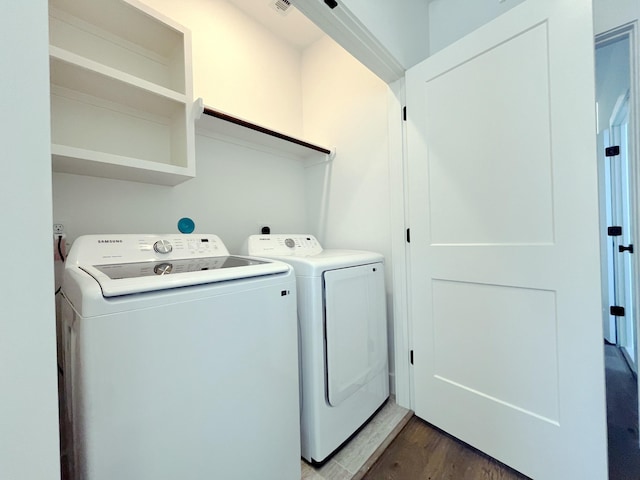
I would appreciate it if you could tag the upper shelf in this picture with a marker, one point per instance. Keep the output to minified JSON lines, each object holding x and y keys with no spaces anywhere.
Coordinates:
{"x":220,"y":123}
{"x":91,"y":78}
{"x":123,"y":35}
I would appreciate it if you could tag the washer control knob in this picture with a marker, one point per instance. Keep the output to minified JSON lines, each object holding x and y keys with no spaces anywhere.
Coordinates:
{"x":162,"y":269}
{"x":290,"y":243}
{"x":162,"y":246}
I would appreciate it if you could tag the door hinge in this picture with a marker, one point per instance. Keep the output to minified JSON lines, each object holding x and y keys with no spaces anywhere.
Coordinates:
{"x":616,"y":311}
{"x":614,"y":231}
{"x":411,"y":356}
{"x":612,"y":151}
{"x":404,"y":113}
{"x":408,"y":235}
{"x":625,"y":248}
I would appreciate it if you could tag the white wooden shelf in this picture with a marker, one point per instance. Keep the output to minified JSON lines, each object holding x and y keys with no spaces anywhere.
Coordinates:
{"x":70,"y":67}
{"x":121,"y":92}
{"x":223,"y":125}
{"x":125,"y":35}
{"x":99,"y":164}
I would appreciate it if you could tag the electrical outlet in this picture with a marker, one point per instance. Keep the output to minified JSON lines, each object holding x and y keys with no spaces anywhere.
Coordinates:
{"x":58,"y":228}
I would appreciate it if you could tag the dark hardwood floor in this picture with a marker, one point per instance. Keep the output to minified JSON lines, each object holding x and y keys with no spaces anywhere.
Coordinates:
{"x":622,"y":417}
{"x":422,"y":452}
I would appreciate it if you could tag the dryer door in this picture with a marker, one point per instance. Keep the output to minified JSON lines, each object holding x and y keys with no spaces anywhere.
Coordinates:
{"x":355,"y":328}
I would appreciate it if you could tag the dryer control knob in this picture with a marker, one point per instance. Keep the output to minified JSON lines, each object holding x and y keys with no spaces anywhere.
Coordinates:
{"x":290,"y":243}
{"x":162,"y":246}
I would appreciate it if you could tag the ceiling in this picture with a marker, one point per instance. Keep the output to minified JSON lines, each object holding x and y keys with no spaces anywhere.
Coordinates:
{"x":293,"y":27}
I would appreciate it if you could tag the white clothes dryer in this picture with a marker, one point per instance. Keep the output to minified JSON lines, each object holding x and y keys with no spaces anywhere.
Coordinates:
{"x":180,"y":361}
{"x":343,"y":337}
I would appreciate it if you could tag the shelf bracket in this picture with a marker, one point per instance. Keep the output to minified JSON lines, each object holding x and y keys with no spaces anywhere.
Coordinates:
{"x":198,"y":108}
{"x":328,"y":158}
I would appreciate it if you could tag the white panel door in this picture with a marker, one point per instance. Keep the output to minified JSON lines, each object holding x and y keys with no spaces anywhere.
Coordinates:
{"x":505,"y":280}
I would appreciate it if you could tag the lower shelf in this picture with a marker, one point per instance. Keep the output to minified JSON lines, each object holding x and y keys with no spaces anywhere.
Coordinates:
{"x":79,"y":161}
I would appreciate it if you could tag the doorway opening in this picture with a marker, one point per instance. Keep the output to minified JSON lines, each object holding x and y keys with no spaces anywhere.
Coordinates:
{"x":616,"y":107}
{"x":616,"y":157}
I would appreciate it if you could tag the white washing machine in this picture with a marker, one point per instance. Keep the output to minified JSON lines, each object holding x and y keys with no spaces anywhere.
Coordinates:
{"x":180,"y":361}
{"x":343,"y":337}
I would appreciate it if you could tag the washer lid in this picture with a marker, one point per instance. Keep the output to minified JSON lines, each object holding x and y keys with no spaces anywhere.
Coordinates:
{"x":126,"y":278}
{"x":126,"y":264}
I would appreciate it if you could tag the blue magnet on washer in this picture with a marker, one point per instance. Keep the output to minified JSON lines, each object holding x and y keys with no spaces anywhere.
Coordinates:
{"x":186,"y":225}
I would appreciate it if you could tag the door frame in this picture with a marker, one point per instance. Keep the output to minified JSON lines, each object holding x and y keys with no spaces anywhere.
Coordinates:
{"x":629,"y":30}
{"x":402,"y":382}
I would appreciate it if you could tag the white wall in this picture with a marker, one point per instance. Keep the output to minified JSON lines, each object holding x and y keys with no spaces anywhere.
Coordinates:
{"x":450,"y":20}
{"x":28,"y":375}
{"x":400,"y":26}
{"x":346,"y":106}
{"x":238,"y":65}
{"x":235,"y":189}
{"x":608,"y":15}
{"x":612,"y":78}
{"x":348,"y":201}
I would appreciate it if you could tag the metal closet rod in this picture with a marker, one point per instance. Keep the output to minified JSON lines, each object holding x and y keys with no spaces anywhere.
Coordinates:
{"x":266,"y":131}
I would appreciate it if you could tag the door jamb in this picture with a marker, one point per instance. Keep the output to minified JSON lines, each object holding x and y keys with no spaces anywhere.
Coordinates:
{"x":403,"y":379}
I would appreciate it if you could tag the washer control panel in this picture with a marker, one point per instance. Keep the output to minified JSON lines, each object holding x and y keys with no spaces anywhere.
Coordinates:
{"x":285,"y":245}
{"x":108,"y":249}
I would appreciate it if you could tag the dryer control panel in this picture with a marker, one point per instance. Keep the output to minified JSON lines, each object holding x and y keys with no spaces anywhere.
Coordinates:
{"x":283,"y":245}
